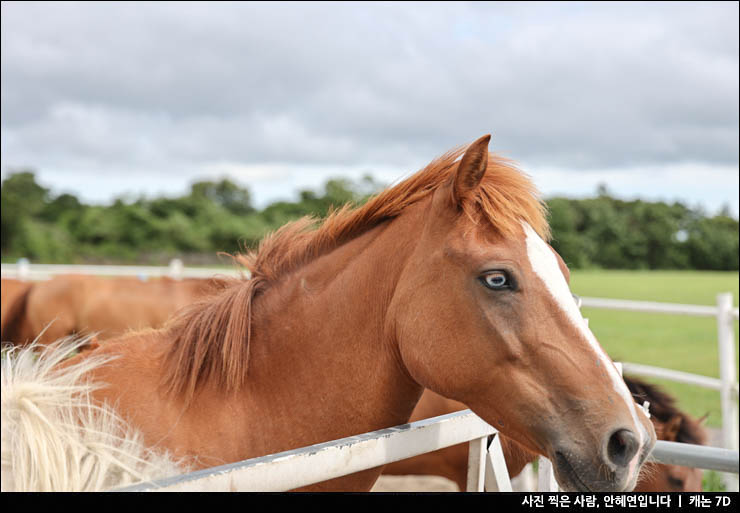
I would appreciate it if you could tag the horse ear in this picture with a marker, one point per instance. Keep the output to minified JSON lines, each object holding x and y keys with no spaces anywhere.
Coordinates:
{"x":671,"y":428}
{"x":471,"y":169}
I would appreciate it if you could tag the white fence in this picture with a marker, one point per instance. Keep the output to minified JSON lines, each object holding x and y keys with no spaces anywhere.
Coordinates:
{"x":23,"y":270}
{"x":286,"y":470}
{"x":486,"y":471}
{"x":308,"y":465}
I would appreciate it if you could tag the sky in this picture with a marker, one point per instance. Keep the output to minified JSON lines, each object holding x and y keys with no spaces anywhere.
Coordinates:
{"x":120,"y":99}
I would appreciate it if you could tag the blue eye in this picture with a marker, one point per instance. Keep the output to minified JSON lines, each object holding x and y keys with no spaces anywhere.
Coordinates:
{"x":496,"y":280}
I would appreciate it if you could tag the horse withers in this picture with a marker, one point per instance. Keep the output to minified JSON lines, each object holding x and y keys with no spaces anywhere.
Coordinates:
{"x":444,"y":281}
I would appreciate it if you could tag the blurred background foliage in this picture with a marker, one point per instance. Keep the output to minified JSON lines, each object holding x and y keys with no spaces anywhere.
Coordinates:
{"x":218,"y":216}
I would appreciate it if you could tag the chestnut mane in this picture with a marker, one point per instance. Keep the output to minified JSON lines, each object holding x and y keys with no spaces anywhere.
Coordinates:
{"x":211,"y":337}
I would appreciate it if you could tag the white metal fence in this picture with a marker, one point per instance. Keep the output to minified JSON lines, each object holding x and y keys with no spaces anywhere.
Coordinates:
{"x":24,"y":270}
{"x":486,"y":472}
{"x":292,"y":469}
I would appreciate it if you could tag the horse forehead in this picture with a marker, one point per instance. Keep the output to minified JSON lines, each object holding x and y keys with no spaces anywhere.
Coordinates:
{"x":481,"y":241}
{"x":546,"y":262}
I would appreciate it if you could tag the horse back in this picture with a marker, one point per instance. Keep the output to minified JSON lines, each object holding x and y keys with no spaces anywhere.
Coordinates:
{"x":13,"y":319}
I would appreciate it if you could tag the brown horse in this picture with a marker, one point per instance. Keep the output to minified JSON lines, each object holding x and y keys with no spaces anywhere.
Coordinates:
{"x":671,"y":425}
{"x":69,"y":304}
{"x":443,"y":281}
{"x":10,"y":292}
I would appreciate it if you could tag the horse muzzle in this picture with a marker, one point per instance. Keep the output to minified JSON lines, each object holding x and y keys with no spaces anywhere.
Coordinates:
{"x":613,"y":468}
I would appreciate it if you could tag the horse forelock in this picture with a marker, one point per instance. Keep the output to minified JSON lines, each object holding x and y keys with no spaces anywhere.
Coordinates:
{"x":211,"y":337}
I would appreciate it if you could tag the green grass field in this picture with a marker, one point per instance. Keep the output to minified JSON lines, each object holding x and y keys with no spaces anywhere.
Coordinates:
{"x":671,"y":341}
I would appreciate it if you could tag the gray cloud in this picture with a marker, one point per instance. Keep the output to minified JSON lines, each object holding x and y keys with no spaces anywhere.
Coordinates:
{"x":159,"y":87}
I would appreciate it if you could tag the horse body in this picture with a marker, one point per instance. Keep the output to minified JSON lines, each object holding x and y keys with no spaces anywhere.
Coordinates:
{"x":12,"y":297}
{"x":442,"y":282}
{"x":69,"y":304}
{"x":285,"y":354}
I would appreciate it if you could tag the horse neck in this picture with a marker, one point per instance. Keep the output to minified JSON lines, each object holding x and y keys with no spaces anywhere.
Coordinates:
{"x":322,"y":364}
{"x":321,"y":353}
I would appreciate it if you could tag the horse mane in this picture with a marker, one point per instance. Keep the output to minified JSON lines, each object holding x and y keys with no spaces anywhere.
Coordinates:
{"x":663,"y":408}
{"x":211,"y":338}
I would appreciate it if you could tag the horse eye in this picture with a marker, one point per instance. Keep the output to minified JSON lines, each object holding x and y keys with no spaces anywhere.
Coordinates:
{"x":496,"y":280}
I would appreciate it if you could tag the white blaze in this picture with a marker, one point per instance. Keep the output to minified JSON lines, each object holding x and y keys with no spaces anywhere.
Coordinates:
{"x":546,"y":267}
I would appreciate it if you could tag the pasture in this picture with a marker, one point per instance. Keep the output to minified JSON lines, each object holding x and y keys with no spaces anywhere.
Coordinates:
{"x":672,"y":341}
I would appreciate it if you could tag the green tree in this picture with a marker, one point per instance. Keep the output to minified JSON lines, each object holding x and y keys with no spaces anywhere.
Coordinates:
{"x":713,"y":243}
{"x":226,"y":193}
{"x":20,"y":198}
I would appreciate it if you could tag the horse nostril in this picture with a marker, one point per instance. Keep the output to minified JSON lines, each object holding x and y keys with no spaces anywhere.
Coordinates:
{"x":622,"y":447}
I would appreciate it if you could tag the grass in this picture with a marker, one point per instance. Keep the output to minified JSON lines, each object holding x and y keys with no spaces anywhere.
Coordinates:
{"x":670,"y":341}
{"x":712,"y":482}
{"x":689,"y":287}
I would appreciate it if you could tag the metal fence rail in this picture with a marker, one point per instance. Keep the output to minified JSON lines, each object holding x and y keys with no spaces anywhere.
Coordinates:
{"x":301,"y":467}
{"x":677,"y":376}
{"x":288,"y":470}
{"x":698,"y":456}
{"x":176,"y":269}
{"x":653,"y":307}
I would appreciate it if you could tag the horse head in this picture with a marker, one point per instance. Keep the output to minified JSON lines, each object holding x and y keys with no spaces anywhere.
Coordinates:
{"x":482,"y":313}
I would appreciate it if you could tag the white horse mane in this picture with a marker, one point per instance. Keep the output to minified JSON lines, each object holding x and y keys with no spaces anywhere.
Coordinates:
{"x":55,"y":438}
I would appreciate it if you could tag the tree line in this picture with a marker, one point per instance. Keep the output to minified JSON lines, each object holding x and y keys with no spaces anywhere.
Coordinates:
{"x":219,"y":216}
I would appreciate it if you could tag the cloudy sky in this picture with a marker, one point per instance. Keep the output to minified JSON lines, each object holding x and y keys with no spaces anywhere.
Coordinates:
{"x":105,"y":99}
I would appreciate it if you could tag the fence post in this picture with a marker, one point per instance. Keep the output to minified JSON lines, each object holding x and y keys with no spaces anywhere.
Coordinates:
{"x":476,"y":464}
{"x":497,"y":475}
{"x":525,"y":481}
{"x":176,"y":269}
{"x":727,"y":375}
{"x":546,"y":476}
{"x":23,"y":268}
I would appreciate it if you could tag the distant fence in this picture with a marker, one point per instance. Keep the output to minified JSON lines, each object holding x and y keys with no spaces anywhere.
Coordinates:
{"x":26,"y":271}
{"x":481,"y":455}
